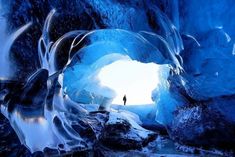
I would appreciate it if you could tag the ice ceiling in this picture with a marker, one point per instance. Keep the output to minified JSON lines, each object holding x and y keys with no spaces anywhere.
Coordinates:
{"x":75,"y":78}
{"x":105,"y":47}
{"x":55,"y":62}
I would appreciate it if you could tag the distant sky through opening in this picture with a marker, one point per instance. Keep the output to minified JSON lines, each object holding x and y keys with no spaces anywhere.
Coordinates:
{"x":135,"y":79}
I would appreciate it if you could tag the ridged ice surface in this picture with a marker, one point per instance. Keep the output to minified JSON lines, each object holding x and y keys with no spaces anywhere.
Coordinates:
{"x":51,"y":52}
{"x":45,"y":105}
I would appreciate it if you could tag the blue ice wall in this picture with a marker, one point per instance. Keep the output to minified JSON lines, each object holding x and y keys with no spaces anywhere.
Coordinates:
{"x":78,"y":15}
{"x":209,"y":59}
{"x":205,"y":56}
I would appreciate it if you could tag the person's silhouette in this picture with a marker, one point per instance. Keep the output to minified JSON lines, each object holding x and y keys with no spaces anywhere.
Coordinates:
{"x":124,"y":99}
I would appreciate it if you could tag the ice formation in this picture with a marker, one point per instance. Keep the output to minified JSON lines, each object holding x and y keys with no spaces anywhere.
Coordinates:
{"x":88,"y":52}
{"x":52,"y":51}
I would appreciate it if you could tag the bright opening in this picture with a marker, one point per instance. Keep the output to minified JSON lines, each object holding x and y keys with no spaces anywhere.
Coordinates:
{"x":135,"y":79}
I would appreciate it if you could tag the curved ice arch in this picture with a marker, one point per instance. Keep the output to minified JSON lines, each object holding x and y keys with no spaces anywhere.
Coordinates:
{"x":168,"y":31}
{"x":82,"y":69}
{"x":123,"y":39}
{"x":85,"y":48}
{"x":88,"y":47}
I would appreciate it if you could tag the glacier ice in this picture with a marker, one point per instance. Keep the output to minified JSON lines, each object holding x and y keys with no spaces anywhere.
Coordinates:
{"x":193,"y":39}
{"x":49,"y":101}
{"x":6,"y":43}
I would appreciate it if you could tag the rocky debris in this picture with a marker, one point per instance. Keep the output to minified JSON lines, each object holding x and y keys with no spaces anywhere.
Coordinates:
{"x":98,"y":130}
{"x":122,"y":132}
{"x":69,"y":128}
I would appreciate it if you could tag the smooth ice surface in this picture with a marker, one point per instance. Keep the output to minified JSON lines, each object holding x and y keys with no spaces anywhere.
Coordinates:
{"x":37,"y":130}
{"x":146,"y":112}
{"x":136,"y":80}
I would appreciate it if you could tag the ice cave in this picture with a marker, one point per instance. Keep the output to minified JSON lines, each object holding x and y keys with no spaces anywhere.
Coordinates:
{"x":131,"y":78}
{"x":117,"y":78}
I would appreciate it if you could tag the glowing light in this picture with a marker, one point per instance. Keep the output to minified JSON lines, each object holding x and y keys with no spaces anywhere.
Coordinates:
{"x":135,"y":79}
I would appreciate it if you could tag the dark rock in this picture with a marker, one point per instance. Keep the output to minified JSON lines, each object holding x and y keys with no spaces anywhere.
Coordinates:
{"x":50,"y":152}
{"x":79,"y":153}
{"x":122,"y":133}
{"x":38,"y":154}
{"x":156,"y":127}
{"x":61,"y":146}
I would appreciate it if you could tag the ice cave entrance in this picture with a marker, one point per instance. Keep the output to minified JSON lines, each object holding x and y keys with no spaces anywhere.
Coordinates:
{"x":134,"y":79}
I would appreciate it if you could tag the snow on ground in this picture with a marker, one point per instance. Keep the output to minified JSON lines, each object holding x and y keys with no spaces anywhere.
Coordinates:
{"x":145,"y":112}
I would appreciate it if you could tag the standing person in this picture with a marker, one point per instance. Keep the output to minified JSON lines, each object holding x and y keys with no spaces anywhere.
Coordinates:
{"x":124,"y":99}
